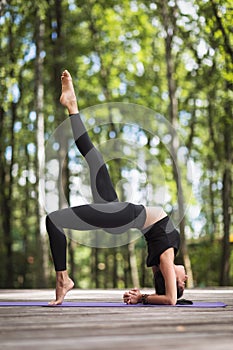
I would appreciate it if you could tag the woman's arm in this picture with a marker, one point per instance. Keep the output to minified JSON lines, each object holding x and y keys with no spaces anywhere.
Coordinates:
{"x":168,"y":271}
{"x":134,"y":296}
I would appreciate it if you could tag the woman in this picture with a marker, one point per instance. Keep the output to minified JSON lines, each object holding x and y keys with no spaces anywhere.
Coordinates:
{"x":115,"y":217}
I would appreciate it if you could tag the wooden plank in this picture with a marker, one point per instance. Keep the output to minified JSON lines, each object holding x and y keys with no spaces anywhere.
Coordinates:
{"x":115,"y":328}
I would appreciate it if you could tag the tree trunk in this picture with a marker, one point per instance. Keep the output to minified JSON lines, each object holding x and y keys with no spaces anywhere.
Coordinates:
{"x":41,"y":237}
{"x":114,"y":273}
{"x":170,"y":27}
{"x":226,"y":196}
{"x":7,"y":208}
{"x":225,"y":265}
{"x":133,"y":265}
{"x":143,"y":269}
{"x":96,"y":270}
{"x":126,"y":262}
{"x":2,"y":195}
{"x":7,"y":181}
{"x":25,"y":224}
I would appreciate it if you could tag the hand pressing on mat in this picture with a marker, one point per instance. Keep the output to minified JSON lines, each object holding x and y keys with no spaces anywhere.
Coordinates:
{"x":133,"y":296}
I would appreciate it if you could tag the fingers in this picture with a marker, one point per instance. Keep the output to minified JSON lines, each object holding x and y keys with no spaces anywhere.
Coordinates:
{"x":126,"y":297}
{"x":134,"y":291}
{"x":126,"y":300}
{"x":131,"y":296}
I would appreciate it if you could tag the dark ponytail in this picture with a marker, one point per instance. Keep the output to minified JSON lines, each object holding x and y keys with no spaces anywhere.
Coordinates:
{"x":160,"y":285}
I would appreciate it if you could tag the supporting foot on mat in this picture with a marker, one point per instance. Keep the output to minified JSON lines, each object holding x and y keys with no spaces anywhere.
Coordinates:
{"x":63,"y":285}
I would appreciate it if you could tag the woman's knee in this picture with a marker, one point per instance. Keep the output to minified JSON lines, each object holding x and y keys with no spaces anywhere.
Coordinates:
{"x":50,"y":221}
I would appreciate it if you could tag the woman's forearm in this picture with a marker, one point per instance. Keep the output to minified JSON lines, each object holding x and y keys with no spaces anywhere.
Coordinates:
{"x":156,"y":299}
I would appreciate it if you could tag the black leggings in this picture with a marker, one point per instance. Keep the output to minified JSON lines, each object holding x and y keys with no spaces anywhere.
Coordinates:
{"x":106,"y":212}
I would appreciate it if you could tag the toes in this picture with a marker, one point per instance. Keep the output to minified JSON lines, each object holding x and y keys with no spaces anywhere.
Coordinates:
{"x":65,"y":73}
{"x":55,"y":302}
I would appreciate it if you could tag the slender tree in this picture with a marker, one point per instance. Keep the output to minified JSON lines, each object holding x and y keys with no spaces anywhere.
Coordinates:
{"x":169,"y":14}
{"x":41,"y":237}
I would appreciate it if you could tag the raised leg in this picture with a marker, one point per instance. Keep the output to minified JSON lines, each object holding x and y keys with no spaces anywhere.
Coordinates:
{"x":101,"y":184}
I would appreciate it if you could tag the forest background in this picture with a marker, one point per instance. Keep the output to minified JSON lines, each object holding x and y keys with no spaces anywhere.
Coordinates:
{"x":166,"y":60}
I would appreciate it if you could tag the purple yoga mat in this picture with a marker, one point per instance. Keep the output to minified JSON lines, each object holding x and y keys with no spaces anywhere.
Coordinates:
{"x":196,"y":304}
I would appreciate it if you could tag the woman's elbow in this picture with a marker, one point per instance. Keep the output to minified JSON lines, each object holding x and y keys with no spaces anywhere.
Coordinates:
{"x":171,"y":301}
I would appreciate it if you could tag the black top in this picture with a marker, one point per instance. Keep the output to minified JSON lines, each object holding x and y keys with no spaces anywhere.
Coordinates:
{"x":160,"y":237}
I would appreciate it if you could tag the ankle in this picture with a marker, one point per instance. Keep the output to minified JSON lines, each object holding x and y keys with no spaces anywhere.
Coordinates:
{"x":73,"y":111}
{"x":72,"y":107}
{"x":62,"y":276}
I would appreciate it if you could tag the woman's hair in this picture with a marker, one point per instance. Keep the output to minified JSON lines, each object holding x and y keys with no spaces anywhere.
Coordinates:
{"x":160,"y":285}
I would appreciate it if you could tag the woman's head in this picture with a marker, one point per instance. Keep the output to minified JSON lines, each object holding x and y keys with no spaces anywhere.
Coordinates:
{"x":181,"y":276}
{"x":159,"y":282}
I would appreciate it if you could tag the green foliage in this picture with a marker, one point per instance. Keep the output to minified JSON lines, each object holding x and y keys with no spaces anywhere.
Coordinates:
{"x":206,"y":258}
{"x":115,"y":51}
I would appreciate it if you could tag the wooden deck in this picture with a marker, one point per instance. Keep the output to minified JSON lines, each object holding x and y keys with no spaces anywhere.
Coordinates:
{"x":97,"y":328}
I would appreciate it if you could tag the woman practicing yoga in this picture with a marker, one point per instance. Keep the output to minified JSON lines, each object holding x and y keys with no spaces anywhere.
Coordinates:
{"x":115,"y":217}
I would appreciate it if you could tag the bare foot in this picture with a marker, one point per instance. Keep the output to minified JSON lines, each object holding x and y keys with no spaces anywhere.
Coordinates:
{"x":68,"y":98}
{"x":63,"y":285}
